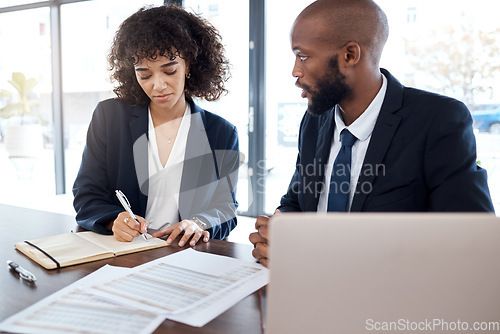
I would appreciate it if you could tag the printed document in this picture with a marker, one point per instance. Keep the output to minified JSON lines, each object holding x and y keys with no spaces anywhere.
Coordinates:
{"x":72,"y":310}
{"x":188,"y":286}
{"x":180,"y":282}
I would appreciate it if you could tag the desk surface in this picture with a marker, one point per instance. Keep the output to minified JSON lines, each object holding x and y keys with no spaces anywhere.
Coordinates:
{"x":20,"y":224}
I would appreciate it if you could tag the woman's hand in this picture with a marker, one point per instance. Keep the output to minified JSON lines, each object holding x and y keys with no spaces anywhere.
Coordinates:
{"x":125,"y":228}
{"x":191,"y":231}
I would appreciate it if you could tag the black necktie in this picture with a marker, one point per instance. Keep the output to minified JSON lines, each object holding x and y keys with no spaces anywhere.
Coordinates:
{"x":341,"y":174}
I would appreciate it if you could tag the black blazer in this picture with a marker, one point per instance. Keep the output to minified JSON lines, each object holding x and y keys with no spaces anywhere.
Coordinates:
{"x":116,"y":157}
{"x":421,"y":157}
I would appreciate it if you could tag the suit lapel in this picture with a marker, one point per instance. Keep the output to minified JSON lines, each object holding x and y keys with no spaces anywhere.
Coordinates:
{"x":197,"y":148}
{"x":323,"y":146}
{"x":139,"y":131}
{"x":383,"y":133}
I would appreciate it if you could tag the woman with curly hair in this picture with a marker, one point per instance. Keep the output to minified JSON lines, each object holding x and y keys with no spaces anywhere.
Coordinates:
{"x":175,"y":162}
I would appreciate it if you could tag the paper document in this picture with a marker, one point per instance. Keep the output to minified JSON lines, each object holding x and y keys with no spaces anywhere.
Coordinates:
{"x":72,"y":310}
{"x":179,"y":282}
{"x":213,"y":307}
{"x":188,"y":286}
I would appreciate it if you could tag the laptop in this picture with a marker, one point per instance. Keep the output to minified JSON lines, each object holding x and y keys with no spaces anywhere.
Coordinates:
{"x":384,"y":273}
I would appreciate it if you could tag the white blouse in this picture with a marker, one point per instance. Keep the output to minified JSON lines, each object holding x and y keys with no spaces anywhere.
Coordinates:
{"x":165,"y":181}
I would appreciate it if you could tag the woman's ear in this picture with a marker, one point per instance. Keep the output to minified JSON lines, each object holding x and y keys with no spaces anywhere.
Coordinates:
{"x":351,"y":53}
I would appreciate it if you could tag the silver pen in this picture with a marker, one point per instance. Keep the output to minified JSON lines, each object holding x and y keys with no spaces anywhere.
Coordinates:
{"x":126,"y":205}
{"x":23,"y":273}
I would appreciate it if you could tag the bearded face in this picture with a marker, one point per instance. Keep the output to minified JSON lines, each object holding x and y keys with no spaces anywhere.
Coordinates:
{"x":329,"y":90}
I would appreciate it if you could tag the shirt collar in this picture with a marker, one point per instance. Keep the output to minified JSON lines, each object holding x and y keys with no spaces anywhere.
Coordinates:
{"x":363,"y":126}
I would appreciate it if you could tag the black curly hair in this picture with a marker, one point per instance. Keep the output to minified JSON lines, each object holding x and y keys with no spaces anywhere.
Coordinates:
{"x":168,"y":31}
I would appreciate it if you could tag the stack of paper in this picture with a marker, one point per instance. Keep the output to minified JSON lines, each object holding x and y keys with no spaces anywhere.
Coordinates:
{"x":189,"y":287}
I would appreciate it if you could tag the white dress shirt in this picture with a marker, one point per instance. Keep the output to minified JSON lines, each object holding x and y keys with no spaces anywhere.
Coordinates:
{"x":362,"y":128}
{"x":165,"y":181}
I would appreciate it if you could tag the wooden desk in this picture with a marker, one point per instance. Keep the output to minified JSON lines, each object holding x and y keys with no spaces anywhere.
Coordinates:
{"x":20,"y":224}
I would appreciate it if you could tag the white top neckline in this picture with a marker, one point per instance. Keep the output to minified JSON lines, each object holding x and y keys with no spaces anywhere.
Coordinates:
{"x":164,"y":181}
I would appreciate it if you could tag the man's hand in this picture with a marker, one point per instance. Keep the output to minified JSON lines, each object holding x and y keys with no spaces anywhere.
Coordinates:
{"x":260,"y":239}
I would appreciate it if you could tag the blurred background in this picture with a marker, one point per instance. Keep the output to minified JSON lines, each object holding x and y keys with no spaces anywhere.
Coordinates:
{"x":53,"y":72}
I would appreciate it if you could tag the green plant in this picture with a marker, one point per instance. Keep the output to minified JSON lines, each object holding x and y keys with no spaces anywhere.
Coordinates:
{"x":24,"y":103}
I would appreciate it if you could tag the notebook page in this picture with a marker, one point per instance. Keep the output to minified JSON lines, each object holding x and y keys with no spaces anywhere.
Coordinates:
{"x":119,"y":247}
{"x":67,"y":249}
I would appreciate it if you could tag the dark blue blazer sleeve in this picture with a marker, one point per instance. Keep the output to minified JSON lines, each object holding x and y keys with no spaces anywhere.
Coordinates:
{"x":93,"y":189}
{"x":215,"y":201}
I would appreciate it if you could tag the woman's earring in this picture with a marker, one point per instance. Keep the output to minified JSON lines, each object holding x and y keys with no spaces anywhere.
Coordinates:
{"x":188,"y":75}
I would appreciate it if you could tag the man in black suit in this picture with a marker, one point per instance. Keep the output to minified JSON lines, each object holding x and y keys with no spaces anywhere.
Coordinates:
{"x":410,"y":150}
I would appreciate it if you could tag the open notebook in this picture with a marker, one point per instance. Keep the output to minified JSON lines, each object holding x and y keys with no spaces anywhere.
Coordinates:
{"x":74,"y":248}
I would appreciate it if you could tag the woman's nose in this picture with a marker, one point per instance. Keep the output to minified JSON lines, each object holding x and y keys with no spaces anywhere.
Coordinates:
{"x":160,"y":83}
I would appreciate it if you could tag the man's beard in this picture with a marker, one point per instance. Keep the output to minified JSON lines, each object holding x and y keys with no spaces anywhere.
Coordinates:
{"x":330,"y":90}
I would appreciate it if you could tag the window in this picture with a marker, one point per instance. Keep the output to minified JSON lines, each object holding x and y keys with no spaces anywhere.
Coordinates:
{"x":8,"y":3}
{"x":284,"y":105}
{"x":231,"y":20}
{"x":86,"y":78}
{"x":31,"y":181}
{"x":411,"y":15}
{"x":27,"y":35}
{"x":454,"y":54}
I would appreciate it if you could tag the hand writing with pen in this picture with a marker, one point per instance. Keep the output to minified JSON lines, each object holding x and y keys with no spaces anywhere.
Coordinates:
{"x":125,"y":229}
{"x":127,"y":226}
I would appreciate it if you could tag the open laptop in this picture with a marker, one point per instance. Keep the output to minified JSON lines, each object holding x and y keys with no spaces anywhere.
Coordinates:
{"x":384,"y":273}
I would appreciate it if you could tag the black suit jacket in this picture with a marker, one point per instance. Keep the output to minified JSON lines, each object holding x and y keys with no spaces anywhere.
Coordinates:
{"x":421,"y":157}
{"x":116,"y":157}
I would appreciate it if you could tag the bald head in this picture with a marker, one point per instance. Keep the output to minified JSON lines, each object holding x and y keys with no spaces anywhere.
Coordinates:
{"x":344,"y":21}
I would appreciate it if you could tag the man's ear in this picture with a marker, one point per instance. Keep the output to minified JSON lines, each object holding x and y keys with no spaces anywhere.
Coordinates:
{"x":351,"y":53}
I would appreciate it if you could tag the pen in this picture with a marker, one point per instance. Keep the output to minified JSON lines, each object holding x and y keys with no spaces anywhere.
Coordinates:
{"x":126,"y":205}
{"x":23,"y":273}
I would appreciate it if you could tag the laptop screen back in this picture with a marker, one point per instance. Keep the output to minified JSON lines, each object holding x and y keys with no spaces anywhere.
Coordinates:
{"x":383,"y":273}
